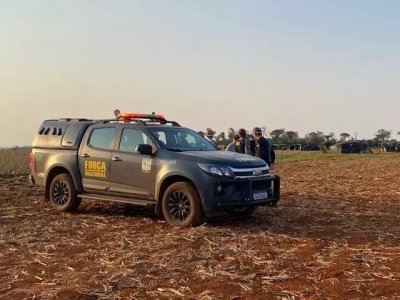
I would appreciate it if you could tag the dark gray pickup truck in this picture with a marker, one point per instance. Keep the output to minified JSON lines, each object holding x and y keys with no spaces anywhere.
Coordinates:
{"x":147,"y":160}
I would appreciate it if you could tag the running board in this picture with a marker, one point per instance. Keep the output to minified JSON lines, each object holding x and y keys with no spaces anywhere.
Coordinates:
{"x":116,"y":199}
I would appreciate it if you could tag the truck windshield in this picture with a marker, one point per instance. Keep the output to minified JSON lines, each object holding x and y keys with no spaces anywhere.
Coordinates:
{"x":180,"y":139}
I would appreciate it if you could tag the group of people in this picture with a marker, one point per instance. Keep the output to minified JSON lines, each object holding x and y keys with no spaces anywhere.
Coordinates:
{"x":257,"y":145}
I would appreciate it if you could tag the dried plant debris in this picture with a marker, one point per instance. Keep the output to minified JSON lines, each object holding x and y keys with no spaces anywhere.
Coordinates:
{"x":334,"y":235}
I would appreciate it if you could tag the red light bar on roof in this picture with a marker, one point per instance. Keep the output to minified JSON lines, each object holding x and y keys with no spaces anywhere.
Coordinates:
{"x":140,"y":116}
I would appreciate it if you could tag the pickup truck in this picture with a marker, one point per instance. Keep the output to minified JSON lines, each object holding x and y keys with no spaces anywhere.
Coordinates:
{"x":143,"y":159}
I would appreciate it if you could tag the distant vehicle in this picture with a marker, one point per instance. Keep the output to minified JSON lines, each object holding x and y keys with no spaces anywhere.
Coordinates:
{"x":310,"y":147}
{"x":354,"y":147}
{"x":391,"y":147}
{"x":144,"y":159}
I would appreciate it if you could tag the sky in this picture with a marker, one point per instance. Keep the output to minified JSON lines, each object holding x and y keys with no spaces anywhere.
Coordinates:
{"x":328,"y":65}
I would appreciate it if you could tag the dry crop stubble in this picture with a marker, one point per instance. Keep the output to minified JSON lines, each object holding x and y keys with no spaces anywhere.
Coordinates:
{"x":334,"y":235}
{"x":14,"y":161}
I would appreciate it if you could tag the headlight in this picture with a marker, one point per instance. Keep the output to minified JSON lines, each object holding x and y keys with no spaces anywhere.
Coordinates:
{"x":216,"y":170}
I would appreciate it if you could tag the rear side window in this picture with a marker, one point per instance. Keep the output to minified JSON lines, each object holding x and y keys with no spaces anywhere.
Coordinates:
{"x":102,"y":138}
{"x":71,"y":135}
{"x":131,"y":138}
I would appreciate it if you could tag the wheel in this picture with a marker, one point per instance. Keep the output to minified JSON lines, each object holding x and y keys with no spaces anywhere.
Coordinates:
{"x":63,"y":193}
{"x":243,"y":212}
{"x":181,"y":205}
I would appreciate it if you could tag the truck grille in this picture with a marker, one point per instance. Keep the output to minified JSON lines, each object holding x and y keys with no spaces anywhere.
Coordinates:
{"x":249,"y":172}
{"x":259,"y":185}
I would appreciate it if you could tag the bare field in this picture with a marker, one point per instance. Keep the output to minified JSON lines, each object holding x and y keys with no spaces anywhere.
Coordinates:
{"x":334,"y":235}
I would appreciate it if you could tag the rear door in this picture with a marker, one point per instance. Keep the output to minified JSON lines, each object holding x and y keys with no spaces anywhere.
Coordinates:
{"x":131,"y":172}
{"x":95,"y":158}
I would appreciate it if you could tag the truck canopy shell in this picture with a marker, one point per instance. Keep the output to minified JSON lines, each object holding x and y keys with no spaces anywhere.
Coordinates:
{"x":62,"y":133}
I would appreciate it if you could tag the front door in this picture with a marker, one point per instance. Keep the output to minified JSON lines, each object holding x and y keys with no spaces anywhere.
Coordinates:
{"x":131,"y":172}
{"x":95,"y":159}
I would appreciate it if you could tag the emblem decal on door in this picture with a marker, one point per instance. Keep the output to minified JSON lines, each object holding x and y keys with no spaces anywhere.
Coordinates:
{"x":146,"y":165}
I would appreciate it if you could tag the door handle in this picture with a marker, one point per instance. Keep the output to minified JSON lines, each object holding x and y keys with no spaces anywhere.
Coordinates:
{"x":116,"y":158}
{"x":85,"y":155}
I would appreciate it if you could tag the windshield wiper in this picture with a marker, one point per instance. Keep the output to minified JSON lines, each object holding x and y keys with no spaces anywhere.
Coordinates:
{"x":174,"y":149}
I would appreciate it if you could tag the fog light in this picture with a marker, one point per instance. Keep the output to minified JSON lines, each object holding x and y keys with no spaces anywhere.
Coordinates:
{"x":220,"y":188}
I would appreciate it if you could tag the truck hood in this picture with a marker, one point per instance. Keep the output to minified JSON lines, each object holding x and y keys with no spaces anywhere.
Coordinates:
{"x":222,"y":158}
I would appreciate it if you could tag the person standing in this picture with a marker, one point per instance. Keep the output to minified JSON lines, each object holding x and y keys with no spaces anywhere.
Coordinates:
{"x":243,"y":143}
{"x":262,"y":148}
{"x":210,"y":135}
{"x":232,"y":146}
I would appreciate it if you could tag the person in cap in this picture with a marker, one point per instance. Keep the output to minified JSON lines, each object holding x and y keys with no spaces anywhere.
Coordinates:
{"x":232,"y":146}
{"x":209,"y":136}
{"x":242,"y":145}
{"x":262,"y":148}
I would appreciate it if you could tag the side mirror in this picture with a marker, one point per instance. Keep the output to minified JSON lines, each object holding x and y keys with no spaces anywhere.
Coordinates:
{"x":144,"y":149}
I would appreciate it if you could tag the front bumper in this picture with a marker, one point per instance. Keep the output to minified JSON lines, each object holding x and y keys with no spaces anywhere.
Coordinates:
{"x":227,"y":194}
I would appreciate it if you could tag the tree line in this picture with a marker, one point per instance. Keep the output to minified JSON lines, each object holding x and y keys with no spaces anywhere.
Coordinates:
{"x":317,"y":138}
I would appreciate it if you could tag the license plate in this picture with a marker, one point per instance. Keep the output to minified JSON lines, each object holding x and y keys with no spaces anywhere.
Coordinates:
{"x":260,"y":195}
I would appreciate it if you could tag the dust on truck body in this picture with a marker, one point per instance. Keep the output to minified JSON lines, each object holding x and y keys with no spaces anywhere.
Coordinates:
{"x":143,"y":159}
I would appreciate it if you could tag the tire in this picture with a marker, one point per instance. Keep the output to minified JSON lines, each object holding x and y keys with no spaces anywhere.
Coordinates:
{"x":245,"y":212}
{"x":181,"y":205}
{"x":63,"y":196}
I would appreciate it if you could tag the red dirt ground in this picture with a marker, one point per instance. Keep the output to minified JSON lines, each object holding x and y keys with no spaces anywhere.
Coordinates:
{"x":334,"y":235}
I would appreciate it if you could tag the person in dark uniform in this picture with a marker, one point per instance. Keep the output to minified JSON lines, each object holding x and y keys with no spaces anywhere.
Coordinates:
{"x":252,"y":146}
{"x":242,"y":145}
{"x":263,"y":148}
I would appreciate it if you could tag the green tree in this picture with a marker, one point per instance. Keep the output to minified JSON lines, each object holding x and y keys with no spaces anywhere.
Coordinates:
{"x":329,"y":136}
{"x":276,"y":135}
{"x":329,"y":140}
{"x":382,"y":135}
{"x":231,"y":133}
{"x":291,"y":136}
{"x":344,"y":136}
{"x":316,"y":138}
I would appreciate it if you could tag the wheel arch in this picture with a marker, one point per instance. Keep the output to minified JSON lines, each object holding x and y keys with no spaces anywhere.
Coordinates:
{"x":53,"y":172}
{"x":166,"y":182}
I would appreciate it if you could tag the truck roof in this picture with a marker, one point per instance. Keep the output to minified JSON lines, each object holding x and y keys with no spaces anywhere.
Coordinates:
{"x":68,"y":132}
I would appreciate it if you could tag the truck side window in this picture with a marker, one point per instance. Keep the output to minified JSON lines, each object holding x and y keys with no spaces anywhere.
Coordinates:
{"x":131,"y":138}
{"x":102,"y":138}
